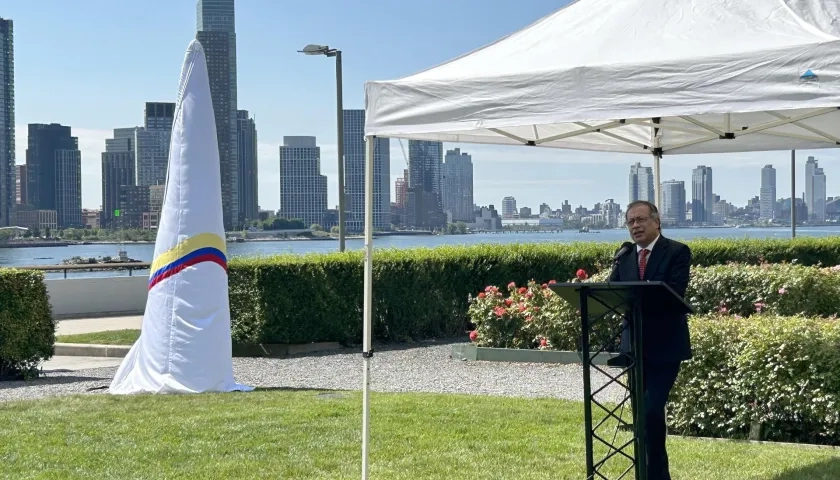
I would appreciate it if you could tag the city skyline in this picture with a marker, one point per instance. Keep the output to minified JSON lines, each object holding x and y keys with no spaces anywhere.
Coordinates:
{"x":97,"y":100}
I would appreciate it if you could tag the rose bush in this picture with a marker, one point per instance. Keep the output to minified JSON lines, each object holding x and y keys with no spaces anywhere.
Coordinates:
{"x":533,"y":316}
{"x":519,"y":316}
{"x":780,"y":289}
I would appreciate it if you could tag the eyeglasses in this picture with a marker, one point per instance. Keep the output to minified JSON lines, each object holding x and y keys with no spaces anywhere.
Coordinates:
{"x":631,"y":221}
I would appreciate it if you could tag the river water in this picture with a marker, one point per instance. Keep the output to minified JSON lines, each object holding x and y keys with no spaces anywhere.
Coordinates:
{"x":144,"y":252}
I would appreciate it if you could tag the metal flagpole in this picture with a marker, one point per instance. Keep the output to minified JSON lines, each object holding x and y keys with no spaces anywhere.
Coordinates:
{"x":367,"y":350}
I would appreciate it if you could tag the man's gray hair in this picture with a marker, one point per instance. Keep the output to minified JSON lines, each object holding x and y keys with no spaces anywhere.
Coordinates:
{"x":654,"y":212}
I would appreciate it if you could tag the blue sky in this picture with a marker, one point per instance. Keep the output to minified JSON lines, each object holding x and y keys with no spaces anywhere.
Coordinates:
{"x":92,"y":64}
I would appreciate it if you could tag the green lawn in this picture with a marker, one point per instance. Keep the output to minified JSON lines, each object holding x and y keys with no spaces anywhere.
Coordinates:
{"x":113,"y":337}
{"x":308,"y":434}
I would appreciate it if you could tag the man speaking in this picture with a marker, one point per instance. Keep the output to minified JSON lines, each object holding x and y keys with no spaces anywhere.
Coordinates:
{"x":656,"y":258}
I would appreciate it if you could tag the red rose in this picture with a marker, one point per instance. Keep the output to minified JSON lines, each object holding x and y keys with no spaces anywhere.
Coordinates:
{"x":473,"y":335}
{"x":508,"y":302}
{"x":499,"y":311}
{"x":528,"y":318}
{"x":552,"y":282}
{"x":536,"y":309}
{"x":529,"y":295}
{"x":512,"y":285}
{"x":544,"y":285}
{"x":581,"y":274}
{"x":523,"y":290}
{"x":522,"y":307}
{"x":481,"y":295}
{"x":489,"y":288}
{"x":543,"y":342}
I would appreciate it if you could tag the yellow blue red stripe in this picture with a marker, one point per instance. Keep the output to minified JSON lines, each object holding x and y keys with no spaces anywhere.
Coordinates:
{"x":204,"y":247}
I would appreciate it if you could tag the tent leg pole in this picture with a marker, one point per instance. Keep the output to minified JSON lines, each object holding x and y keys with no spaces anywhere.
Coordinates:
{"x":656,"y":142}
{"x":793,"y":194}
{"x":367,"y":351}
{"x":656,"y":182}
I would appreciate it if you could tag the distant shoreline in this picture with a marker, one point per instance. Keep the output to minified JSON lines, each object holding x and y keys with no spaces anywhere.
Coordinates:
{"x":36,"y":244}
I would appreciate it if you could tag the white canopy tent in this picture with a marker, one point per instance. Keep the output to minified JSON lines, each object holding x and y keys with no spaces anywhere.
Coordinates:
{"x":657,"y":77}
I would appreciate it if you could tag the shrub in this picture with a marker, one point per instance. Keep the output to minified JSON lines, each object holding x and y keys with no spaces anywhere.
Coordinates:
{"x":533,"y":316}
{"x":732,"y":289}
{"x":423,"y":293}
{"x":27,"y":329}
{"x":782,"y":372}
{"x":782,"y":289}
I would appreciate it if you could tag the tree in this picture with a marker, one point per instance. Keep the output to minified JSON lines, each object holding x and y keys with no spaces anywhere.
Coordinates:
{"x":316,"y":228}
{"x":462,"y":228}
{"x":47,"y":232}
{"x":335,"y":229}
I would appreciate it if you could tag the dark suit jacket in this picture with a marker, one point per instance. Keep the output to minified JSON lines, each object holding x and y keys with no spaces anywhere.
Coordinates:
{"x":668,"y":262}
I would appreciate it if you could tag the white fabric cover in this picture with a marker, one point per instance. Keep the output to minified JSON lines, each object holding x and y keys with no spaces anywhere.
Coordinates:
{"x":598,"y":61}
{"x":185,"y":340}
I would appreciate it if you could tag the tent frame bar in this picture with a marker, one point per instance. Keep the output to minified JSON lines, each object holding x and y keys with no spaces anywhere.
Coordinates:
{"x":716,"y":133}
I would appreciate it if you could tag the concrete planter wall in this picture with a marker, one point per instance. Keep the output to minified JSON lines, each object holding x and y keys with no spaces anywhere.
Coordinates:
{"x":98,"y":297}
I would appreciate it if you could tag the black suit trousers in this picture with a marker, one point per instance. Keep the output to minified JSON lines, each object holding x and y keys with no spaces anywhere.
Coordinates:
{"x":658,"y":379}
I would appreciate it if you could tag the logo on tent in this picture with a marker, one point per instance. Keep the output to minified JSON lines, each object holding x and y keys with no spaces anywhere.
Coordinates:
{"x":809,"y":77}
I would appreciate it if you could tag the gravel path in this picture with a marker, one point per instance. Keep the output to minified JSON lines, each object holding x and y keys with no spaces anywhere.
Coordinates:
{"x":393,"y":369}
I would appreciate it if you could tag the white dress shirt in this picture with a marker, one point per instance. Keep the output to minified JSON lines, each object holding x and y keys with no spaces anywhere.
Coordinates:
{"x":649,"y":248}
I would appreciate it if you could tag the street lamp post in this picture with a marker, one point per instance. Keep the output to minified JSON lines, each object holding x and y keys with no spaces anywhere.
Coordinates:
{"x":332,"y":52}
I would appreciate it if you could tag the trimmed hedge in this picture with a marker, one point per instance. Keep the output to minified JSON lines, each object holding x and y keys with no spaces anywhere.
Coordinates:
{"x":423,"y":293}
{"x":27,"y":329}
{"x":780,"y":372}
{"x":782,"y":289}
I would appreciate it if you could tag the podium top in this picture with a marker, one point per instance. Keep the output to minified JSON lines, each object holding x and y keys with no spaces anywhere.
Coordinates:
{"x":623,"y":296}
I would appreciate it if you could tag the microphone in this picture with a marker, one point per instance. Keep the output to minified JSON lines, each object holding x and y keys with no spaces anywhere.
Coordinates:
{"x":624,"y":250}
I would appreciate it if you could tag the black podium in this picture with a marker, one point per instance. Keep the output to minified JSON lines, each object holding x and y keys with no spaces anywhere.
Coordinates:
{"x":596,"y":302}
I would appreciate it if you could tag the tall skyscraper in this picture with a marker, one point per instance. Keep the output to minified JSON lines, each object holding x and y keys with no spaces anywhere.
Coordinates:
{"x":401,"y":191}
{"x":815,"y":194}
{"x":151,"y":144}
{"x":354,"y":174}
{"x":641,"y":183}
{"x":217,"y":34}
{"x":118,"y":171}
{"x":810,"y":167}
{"x":702,"y":197}
{"x":246,"y":130}
{"x":7,"y":123}
{"x":457,"y":183}
{"x":425,"y":208}
{"x":767,"y":202}
{"x":68,"y":189}
{"x":20,"y":184}
{"x":672,"y":210}
{"x":508,"y":207}
{"x":401,"y":199}
{"x":54,"y":172}
{"x":303,"y":190}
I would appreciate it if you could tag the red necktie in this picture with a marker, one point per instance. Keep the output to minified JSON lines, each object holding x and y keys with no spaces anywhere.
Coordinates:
{"x":642,"y":263}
